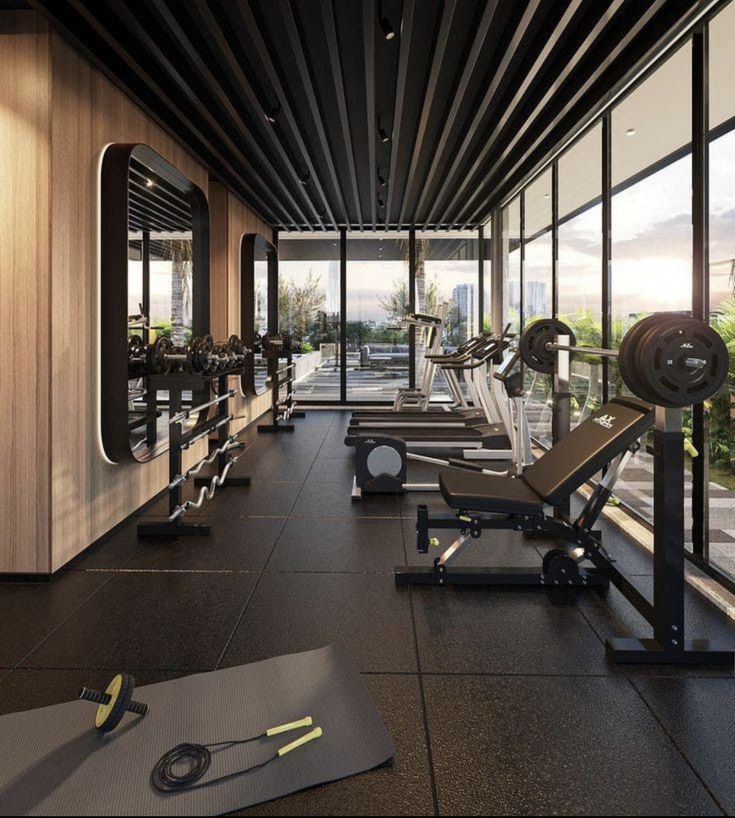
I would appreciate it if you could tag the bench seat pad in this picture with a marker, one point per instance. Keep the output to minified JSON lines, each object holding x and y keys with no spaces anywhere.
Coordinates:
{"x":469,"y":491}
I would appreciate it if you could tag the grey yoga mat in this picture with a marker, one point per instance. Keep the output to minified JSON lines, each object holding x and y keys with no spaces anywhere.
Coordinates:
{"x":53,"y":761}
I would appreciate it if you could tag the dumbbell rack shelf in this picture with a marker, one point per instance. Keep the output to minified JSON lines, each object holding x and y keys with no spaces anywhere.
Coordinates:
{"x":180,"y":440}
{"x":281,"y":376}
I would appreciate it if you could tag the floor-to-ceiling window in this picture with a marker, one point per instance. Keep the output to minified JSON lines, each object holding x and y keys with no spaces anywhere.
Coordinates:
{"x":722,"y":284}
{"x":642,"y":146}
{"x":537,"y":294}
{"x":487,"y":278}
{"x":377,"y":353}
{"x":309,"y":310}
{"x":580,"y":264}
{"x":512,"y":264}
{"x":651,"y":222}
{"x":447,"y":270}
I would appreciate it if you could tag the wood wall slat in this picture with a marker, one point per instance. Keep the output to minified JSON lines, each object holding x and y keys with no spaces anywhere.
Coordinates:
{"x":25,"y":129}
{"x":57,"y":114}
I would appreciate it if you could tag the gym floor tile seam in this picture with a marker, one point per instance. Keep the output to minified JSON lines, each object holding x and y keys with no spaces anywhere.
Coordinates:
{"x":630,"y":680}
{"x":677,"y":745}
{"x":249,"y":599}
{"x":61,"y":623}
{"x":422,"y":693}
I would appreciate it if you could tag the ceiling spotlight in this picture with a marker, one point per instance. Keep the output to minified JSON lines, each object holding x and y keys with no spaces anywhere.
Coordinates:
{"x":630,"y":132}
{"x":381,"y":204}
{"x":304,"y":178}
{"x":272,"y":113}
{"x":149,"y":182}
{"x":388,"y":31}
{"x":381,"y":180}
{"x":384,"y":135}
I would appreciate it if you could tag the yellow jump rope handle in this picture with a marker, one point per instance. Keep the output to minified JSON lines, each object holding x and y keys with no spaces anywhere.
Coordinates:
{"x":294,"y":745}
{"x":690,"y":449}
{"x":286,"y":728}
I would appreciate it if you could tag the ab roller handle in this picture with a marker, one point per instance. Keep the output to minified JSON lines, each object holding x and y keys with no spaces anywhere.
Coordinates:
{"x":114,"y":703}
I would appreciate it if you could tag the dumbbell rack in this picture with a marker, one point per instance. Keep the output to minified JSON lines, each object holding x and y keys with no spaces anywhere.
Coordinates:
{"x":207,"y":474}
{"x":281,"y":375}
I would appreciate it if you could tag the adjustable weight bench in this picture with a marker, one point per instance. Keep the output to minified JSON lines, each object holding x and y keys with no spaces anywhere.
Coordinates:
{"x":606,"y":439}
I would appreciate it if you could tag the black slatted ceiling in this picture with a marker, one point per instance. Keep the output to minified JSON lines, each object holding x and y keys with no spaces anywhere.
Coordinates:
{"x":154,"y":205}
{"x":473,"y":94}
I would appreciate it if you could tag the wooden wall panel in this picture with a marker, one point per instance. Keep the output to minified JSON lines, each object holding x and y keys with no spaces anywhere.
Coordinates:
{"x":89,"y":494}
{"x":227,"y":209}
{"x":25,"y":127}
{"x":57,"y":114}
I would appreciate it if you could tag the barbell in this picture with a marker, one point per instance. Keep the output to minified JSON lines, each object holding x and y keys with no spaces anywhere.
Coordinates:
{"x":668,"y":359}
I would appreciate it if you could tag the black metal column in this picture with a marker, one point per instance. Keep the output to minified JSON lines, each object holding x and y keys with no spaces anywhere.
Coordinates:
{"x":481,"y":276}
{"x":522,"y":283}
{"x":606,"y":272}
{"x":555,"y":239}
{"x":343,"y":315}
{"x":700,"y":278}
{"x":146,"y":296}
{"x":412,"y":307}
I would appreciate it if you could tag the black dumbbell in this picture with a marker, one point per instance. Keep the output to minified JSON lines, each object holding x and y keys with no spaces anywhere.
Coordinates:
{"x":114,"y":703}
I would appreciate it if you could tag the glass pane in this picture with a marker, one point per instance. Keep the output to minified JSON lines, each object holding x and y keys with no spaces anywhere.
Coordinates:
{"x":580,"y":265}
{"x":721,"y":67}
{"x":654,"y":121}
{"x":377,"y":351}
{"x":651,"y":224}
{"x":487,"y":287}
{"x":537,"y":295}
{"x":309,"y":310}
{"x":580,"y":168}
{"x":447,"y":269}
{"x":537,"y":215}
{"x":722,"y":286}
{"x":512,"y":264}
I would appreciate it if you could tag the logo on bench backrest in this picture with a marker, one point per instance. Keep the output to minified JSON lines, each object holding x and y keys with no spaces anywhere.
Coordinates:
{"x":606,"y":421}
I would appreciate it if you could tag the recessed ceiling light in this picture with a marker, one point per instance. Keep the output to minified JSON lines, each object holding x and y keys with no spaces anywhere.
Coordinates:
{"x":388,"y":31}
{"x":546,"y":195}
{"x":630,"y":132}
{"x":149,"y":183}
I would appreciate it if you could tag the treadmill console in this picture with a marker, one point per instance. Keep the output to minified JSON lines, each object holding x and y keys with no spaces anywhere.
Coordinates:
{"x":510,"y":374}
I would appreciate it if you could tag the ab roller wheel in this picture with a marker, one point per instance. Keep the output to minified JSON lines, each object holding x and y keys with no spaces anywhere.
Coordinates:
{"x":114,"y":703}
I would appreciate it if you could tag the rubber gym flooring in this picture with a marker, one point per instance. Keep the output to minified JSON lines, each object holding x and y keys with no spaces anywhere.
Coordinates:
{"x":499,"y":702}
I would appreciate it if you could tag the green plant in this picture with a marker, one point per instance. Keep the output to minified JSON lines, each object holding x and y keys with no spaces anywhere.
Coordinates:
{"x":166,"y":328}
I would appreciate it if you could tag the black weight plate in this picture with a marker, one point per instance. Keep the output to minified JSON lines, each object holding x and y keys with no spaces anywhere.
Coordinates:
{"x":682,"y":361}
{"x":534,"y":340}
{"x":656,"y":329}
{"x":157,"y":355}
{"x":628,"y":354}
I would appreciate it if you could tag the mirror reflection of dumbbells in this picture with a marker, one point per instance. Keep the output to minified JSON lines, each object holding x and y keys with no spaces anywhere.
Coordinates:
{"x":114,"y":703}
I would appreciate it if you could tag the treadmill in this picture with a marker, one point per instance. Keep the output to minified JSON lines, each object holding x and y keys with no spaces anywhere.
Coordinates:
{"x":486,"y":349}
{"x":486,"y":441}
